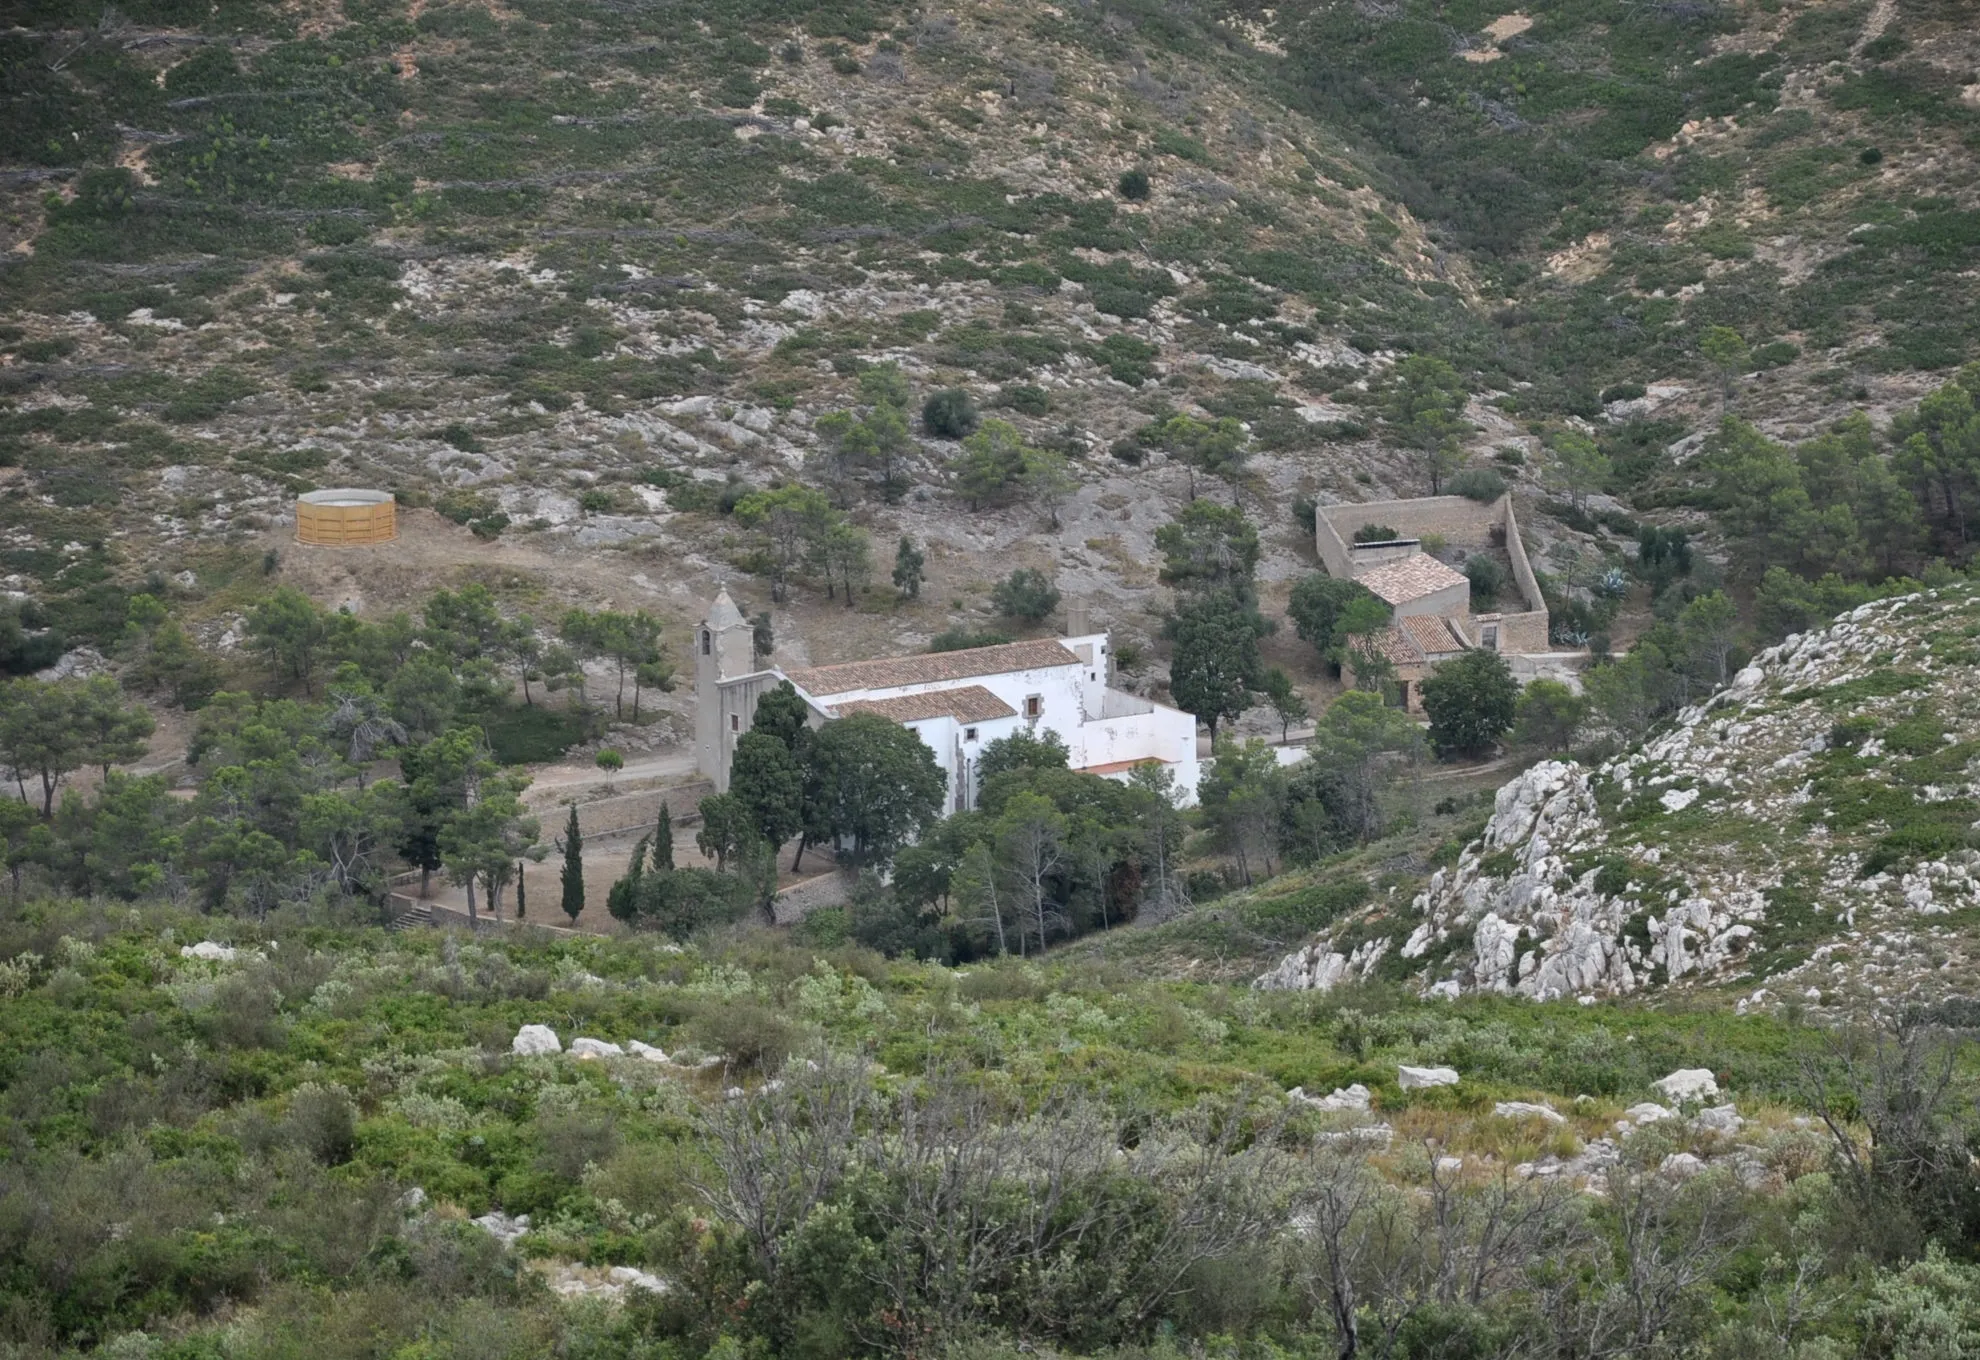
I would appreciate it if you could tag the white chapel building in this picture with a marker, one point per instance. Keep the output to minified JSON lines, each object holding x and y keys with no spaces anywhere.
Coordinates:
{"x":956,"y":702}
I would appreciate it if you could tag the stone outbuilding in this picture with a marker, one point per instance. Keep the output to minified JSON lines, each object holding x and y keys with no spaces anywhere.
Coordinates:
{"x":1431,"y":601}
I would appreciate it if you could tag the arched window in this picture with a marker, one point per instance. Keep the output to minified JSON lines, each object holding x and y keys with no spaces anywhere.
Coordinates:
{"x":707,"y":642}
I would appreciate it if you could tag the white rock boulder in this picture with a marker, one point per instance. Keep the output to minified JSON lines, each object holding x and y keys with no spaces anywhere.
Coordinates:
{"x":590,"y":1050}
{"x":1688,"y":1083}
{"x":211,"y":951}
{"x":535,"y":1040}
{"x":1421,"y":1078}
{"x":646,"y":1051}
{"x":1522,"y":1109}
{"x":1349,"y":1098}
{"x":1681,"y":1166}
{"x":628,"y":1278}
{"x":1719,"y":1119}
{"x":503,"y":1228}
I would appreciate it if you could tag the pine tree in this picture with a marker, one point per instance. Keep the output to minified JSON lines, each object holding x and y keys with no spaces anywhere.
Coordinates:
{"x":663,"y":840}
{"x":573,"y":871}
{"x":908,"y":563}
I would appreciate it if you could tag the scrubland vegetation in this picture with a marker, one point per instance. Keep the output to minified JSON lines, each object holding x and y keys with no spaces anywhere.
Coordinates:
{"x":217,"y":1158}
{"x":1088,"y":303}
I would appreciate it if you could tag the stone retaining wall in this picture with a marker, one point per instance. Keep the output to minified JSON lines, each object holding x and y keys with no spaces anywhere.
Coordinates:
{"x":799,"y":900}
{"x":1462,"y":523}
{"x":629,"y":812}
{"x":1529,"y":588}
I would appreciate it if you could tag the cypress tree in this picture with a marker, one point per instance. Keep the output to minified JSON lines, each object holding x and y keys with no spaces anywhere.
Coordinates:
{"x":663,"y":840}
{"x":573,"y":871}
{"x":520,"y":911}
{"x":623,"y":900}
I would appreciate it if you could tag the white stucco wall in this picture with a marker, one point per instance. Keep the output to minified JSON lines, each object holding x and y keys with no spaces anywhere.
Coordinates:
{"x":1099,"y":726}
{"x":957,"y":753}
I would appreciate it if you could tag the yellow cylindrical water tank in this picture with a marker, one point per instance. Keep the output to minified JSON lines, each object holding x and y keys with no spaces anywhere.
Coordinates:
{"x":346,"y":517}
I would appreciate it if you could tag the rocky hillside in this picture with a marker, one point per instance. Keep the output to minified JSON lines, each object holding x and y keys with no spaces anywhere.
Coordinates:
{"x":598,"y":267}
{"x":1806,"y":836}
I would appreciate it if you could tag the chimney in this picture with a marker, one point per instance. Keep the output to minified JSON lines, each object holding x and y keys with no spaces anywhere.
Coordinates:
{"x":1079,"y":620}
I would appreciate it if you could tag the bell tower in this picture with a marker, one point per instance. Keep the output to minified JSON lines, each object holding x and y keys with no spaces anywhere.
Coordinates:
{"x":723,"y":650}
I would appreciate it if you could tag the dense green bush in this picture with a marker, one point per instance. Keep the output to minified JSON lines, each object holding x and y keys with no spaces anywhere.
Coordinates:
{"x":949,"y":413}
{"x":1031,"y":401}
{"x":1478,"y":484}
{"x":1487,"y":579}
{"x":1027,"y":594}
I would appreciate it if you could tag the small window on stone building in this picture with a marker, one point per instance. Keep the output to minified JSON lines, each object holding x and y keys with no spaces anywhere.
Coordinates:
{"x":1034,"y":705}
{"x":707,"y":642}
{"x":969,"y":734}
{"x":1490,"y":637}
{"x":735,"y":722}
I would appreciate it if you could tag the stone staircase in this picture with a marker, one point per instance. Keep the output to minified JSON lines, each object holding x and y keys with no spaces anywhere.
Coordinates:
{"x":416,"y":919}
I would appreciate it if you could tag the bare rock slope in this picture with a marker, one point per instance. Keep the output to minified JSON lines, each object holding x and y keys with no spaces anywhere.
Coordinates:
{"x":1807,"y":834}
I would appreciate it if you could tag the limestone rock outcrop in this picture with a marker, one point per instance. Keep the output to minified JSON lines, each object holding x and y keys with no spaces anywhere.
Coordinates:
{"x":1807,"y":827}
{"x":535,"y":1040}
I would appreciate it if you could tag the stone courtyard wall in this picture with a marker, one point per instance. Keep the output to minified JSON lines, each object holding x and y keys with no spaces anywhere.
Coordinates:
{"x":1461,"y":522}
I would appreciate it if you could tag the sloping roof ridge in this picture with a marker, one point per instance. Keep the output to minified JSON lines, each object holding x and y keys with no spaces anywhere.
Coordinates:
{"x":1410,"y":578}
{"x":964,"y":703}
{"x":933,"y":667}
{"x":1434,"y":632}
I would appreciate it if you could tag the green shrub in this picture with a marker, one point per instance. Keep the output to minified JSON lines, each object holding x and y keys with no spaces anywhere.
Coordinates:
{"x":209,"y":395}
{"x":1487,"y":579}
{"x":462,"y":505}
{"x":1479,"y":484}
{"x":737,"y":90}
{"x":574,"y":1140}
{"x":1130,"y":304}
{"x":1127,"y":359}
{"x":750,"y":1035}
{"x":1172,"y":143}
{"x":949,"y":413}
{"x":322,"y":1121}
{"x":45,"y":351}
{"x":1027,"y":594}
{"x":1030,"y":401}
{"x":534,"y":734}
{"x":1133,"y":186}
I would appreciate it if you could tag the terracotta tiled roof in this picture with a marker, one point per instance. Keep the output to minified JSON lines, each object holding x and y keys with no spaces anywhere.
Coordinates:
{"x":1411,"y":578}
{"x":969,"y":703}
{"x":1434,"y":634}
{"x":1393,"y":643}
{"x":933,"y":667}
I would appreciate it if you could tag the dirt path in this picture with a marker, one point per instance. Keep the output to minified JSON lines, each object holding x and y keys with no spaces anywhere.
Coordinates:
{"x":1444,"y":774}
{"x":1880,"y":18}
{"x":575,"y":777}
